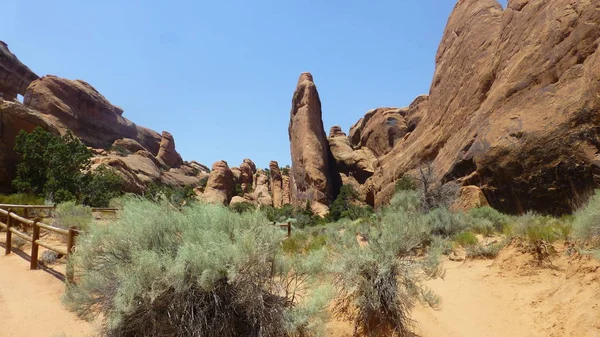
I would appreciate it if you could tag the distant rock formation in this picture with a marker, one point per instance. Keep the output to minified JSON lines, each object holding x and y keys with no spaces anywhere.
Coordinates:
{"x":513,"y":107}
{"x":276,"y":182}
{"x":313,"y":174}
{"x":358,"y":163}
{"x":77,"y":106}
{"x":286,"y":197}
{"x":261,"y":193}
{"x":220,"y":186}
{"x":167,"y":153}
{"x":15,"y":77}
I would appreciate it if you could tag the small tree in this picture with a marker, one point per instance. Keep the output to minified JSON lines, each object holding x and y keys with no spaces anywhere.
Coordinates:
{"x":101,"y":186}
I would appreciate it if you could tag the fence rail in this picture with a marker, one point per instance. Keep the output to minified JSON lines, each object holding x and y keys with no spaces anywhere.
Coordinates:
{"x":13,"y":221}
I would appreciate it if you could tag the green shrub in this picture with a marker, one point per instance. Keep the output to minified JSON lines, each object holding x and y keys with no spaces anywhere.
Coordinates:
{"x":101,"y":186}
{"x":377,"y":284}
{"x":202,"y":183}
{"x":242,"y":207}
{"x":586,"y":223}
{"x":200,"y":271}
{"x":51,"y":165}
{"x":484,"y":217}
{"x":405,"y":201}
{"x":344,"y":205}
{"x":405,"y":183}
{"x":466,"y":239}
{"x":176,"y":196}
{"x":69,"y":214}
{"x":21,"y":199}
{"x":444,"y":223}
{"x":536,"y":228}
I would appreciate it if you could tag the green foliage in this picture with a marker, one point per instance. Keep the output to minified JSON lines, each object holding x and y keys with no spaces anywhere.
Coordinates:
{"x":203,"y":183}
{"x":444,"y":223}
{"x":466,"y":239}
{"x":301,"y":217}
{"x":486,"y":219}
{"x":378,"y":284}
{"x":285,"y":170}
{"x":405,"y":183}
{"x":176,"y":196}
{"x":101,"y":186}
{"x":242,"y":207}
{"x":215,"y":272}
{"x":537,"y":228}
{"x":481,"y":251}
{"x":50,"y":165}
{"x":302,"y":241}
{"x":119,"y":149}
{"x":69,"y":214}
{"x":238,"y":190}
{"x":345,"y":206}
{"x":21,"y":199}
{"x":586,"y":224}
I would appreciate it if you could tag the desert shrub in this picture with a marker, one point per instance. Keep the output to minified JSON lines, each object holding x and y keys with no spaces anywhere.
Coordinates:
{"x":483,"y":251}
{"x":100,"y":186}
{"x":465,"y":239}
{"x":405,"y":183}
{"x":535,"y":228}
{"x":378,"y":284}
{"x":199,"y":271}
{"x":21,"y":199}
{"x":69,"y":214}
{"x":345,"y":206}
{"x":486,"y":217}
{"x":238,"y":190}
{"x":242,"y":207}
{"x":444,"y":223}
{"x":405,"y":202}
{"x":176,"y":196}
{"x":203,"y":182}
{"x":49,"y":257}
{"x":51,"y":165}
{"x":586,"y":223}
{"x":302,"y":241}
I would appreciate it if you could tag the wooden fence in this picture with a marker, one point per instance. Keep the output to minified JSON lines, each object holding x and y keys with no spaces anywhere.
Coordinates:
{"x":13,"y":221}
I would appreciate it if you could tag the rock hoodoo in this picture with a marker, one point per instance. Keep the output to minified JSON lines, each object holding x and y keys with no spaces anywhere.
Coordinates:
{"x":220,"y":185}
{"x":167,"y":153}
{"x":313,"y":172}
{"x":276,"y":182}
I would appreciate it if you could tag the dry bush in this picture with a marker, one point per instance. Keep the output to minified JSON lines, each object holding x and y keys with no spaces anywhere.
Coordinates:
{"x":201,"y":271}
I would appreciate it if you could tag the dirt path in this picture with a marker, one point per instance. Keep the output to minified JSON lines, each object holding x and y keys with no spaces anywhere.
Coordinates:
{"x":30,"y":303}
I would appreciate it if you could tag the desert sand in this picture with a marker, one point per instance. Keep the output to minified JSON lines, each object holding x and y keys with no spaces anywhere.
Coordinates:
{"x":509,"y":296}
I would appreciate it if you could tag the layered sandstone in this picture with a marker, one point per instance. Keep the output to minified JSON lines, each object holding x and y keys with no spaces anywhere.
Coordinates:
{"x":220,"y":185}
{"x":276,"y":182}
{"x":358,"y":163}
{"x":313,"y":175}
{"x":167,"y":153}
{"x":513,"y":108}
{"x":15,"y":77}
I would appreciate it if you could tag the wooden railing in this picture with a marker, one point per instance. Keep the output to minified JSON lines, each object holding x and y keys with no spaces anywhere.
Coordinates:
{"x":13,"y":220}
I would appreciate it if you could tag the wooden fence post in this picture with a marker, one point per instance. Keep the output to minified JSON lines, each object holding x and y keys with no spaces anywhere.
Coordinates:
{"x":73,"y":232}
{"x":34,"y":245}
{"x":26,"y":213}
{"x":289,"y":229}
{"x":8,"y":242}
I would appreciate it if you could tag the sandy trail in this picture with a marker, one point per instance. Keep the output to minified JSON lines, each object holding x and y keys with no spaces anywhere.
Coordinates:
{"x":30,"y":302}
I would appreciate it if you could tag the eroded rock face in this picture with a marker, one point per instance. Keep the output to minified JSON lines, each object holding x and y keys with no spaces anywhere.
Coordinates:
{"x":167,"y":153}
{"x":13,"y":118}
{"x":246,"y":176}
{"x":15,"y":77}
{"x":514,"y":106}
{"x":276,"y":184}
{"x":220,"y":185}
{"x":261,"y":192}
{"x":77,"y":106}
{"x":469,"y":197}
{"x":127,"y":145}
{"x":313,"y":175}
{"x":380,"y":130}
{"x":286,"y":197}
{"x":359,"y":163}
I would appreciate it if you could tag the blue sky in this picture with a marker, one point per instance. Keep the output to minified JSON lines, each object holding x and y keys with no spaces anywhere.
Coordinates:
{"x":219,"y":75}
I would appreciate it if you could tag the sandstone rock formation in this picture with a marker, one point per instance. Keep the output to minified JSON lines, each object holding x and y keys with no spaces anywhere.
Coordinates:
{"x":261,"y":193}
{"x":276,"y":182}
{"x":313,"y":175}
{"x":167,"y":153}
{"x":246,"y":176}
{"x":77,"y":106}
{"x":469,"y":197}
{"x":359,"y":164}
{"x":237,"y":200}
{"x":220,"y":186}
{"x":126,"y":145}
{"x":15,"y":77}
{"x":285,"y":184}
{"x":513,"y":107}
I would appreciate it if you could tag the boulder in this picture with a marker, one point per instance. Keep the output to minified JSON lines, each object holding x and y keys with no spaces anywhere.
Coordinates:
{"x":469,"y":197}
{"x":77,"y":106}
{"x":238,"y":200}
{"x":15,"y":77}
{"x":359,"y":163}
{"x":276,"y":182}
{"x":220,"y":185}
{"x":167,"y":153}
{"x":513,"y":105}
{"x":313,"y":174}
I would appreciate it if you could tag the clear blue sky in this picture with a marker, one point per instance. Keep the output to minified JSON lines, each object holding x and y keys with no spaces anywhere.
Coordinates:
{"x":219,"y":75}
